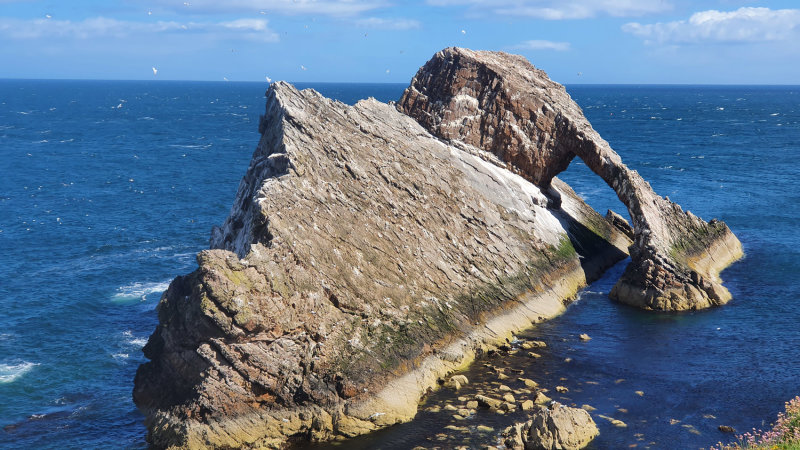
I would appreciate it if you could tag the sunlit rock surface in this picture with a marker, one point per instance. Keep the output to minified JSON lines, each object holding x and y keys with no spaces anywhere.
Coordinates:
{"x":502,"y":104}
{"x":363,"y":260}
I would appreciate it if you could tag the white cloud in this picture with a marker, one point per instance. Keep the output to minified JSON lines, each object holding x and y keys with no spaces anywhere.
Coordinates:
{"x":740,"y":26}
{"x":336,"y":8}
{"x":388,"y":24}
{"x":542,"y":45}
{"x":102,"y":27}
{"x":561,"y":9}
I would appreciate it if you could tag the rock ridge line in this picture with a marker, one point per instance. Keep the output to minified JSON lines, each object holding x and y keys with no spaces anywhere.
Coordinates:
{"x":502,"y":104}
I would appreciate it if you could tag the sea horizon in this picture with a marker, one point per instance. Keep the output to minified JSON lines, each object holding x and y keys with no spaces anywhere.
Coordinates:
{"x":699,"y":85}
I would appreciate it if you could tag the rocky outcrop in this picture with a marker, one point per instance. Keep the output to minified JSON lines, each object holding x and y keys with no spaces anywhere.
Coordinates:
{"x":553,"y":427}
{"x":363,"y":260}
{"x":500,"y":103}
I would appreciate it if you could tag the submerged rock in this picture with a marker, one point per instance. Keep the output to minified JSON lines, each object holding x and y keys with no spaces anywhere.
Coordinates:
{"x":553,"y":427}
{"x":363,"y":261}
{"x":527,"y":123}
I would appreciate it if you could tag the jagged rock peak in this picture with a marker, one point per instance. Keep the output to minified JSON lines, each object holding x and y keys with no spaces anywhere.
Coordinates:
{"x":363,"y":260}
{"x":500,"y":103}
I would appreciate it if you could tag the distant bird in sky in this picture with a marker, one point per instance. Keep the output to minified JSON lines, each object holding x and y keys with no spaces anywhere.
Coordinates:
{"x":302,"y":67}
{"x":149,"y":13}
{"x":387,"y":70}
{"x":269,"y":80}
{"x":224,"y":78}
{"x":463,"y":31}
{"x":48,"y":16}
{"x":580,"y":73}
{"x":155,"y":71}
{"x":263,"y":13}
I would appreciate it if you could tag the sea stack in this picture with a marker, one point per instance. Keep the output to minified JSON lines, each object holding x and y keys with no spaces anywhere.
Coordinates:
{"x":368,"y":255}
{"x":502,"y":104}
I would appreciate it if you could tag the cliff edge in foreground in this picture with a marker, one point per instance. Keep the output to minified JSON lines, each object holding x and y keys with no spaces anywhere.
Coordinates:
{"x":502,"y":104}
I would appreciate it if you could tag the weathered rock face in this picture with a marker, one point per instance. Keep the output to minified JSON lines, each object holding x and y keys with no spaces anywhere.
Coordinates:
{"x":363,"y":260}
{"x":502,"y":104}
{"x":553,"y":427}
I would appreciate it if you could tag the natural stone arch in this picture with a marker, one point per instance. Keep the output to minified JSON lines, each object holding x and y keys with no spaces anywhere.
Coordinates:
{"x":502,"y":104}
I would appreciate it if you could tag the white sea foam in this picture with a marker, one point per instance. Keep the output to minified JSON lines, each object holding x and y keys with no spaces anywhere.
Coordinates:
{"x":130,"y":339}
{"x":10,"y":372}
{"x":156,"y":250}
{"x":119,"y":356}
{"x":138,"y":291}
{"x":139,"y":342}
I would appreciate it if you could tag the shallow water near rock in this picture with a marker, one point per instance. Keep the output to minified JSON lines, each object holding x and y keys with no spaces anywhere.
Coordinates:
{"x":100,"y":206}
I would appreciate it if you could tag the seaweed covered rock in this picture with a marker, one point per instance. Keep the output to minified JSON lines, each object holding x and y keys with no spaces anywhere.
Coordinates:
{"x":527,"y":123}
{"x":362,"y":261}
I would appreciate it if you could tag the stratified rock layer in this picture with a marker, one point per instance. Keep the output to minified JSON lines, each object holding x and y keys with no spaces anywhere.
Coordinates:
{"x":363,"y":260}
{"x":502,"y":104}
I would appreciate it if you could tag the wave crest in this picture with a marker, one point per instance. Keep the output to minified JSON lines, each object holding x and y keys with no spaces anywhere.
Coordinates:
{"x":138,"y":291}
{"x":11,"y":372}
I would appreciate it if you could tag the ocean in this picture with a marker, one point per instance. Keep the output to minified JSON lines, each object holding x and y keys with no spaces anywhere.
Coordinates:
{"x":108,"y":189}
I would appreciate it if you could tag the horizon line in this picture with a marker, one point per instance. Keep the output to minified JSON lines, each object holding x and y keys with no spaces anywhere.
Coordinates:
{"x":2,"y":79}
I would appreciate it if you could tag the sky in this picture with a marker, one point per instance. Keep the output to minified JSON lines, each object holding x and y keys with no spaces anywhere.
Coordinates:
{"x":386,"y":41}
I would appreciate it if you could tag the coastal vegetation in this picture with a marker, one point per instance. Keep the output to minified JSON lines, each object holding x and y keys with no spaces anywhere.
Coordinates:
{"x":784,"y":434}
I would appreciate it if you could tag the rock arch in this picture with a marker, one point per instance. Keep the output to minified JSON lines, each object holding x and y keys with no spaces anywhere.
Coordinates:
{"x":502,"y":104}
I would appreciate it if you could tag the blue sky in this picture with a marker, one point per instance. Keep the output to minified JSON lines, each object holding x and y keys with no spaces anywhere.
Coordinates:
{"x":575,"y":41}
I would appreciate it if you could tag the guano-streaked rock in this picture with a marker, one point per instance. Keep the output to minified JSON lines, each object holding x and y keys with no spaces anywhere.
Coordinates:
{"x":363,"y":260}
{"x":502,"y":104}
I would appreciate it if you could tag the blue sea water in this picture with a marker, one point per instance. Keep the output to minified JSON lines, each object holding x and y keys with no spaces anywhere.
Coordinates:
{"x":108,"y":190}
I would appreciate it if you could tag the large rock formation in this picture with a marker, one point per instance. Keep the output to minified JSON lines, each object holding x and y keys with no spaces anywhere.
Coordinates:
{"x":363,"y":260}
{"x":502,"y":104}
